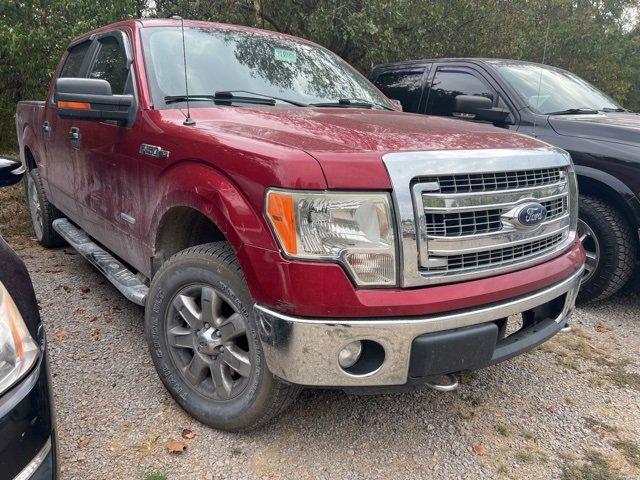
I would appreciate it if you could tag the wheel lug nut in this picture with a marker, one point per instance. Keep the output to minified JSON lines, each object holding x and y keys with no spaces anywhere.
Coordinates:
{"x":218,"y":333}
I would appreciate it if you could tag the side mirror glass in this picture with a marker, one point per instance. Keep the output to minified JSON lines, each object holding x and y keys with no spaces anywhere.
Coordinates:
{"x":480,"y":108}
{"x":11,"y":172}
{"x":91,"y":99}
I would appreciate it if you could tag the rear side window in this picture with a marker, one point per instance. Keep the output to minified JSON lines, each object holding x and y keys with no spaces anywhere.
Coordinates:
{"x":448,"y":84}
{"x":111,"y":64}
{"x":404,"y":86}
{"x":73,"y":64}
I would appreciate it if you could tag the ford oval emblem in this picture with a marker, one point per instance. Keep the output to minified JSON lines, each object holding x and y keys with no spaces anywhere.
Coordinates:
{"x":531,"y":215}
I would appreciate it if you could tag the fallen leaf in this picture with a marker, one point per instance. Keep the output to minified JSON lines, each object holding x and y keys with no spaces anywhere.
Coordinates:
{"x":85,"y":289}
{"x":188,"y":434}
{"x":551,"y":408}
{"x":60,"y":335}
{"x":83,"y":442}
{"x":176,"y":447}
{"x":80,"y":311}
{"x":96,"y":334}
{"x":94,"y":319}
{"x":66,"y":289}
{"x":601,"y":327}
{"x":480,"y":450}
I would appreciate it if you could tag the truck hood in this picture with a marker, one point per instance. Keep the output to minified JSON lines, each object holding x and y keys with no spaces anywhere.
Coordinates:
{"x":347,"y":142}
{"x":621,"y":127}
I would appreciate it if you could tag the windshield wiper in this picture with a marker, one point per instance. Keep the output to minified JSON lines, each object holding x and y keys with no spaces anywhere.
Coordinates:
{"x":232,"y":92}
{"x":219,"y":97}
{"x":574,"y":111}
{"x":351,"y":103}
{"x":609,"y":109}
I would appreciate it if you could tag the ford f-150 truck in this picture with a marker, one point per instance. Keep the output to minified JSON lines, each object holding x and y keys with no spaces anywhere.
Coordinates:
{"x":285,"y":226}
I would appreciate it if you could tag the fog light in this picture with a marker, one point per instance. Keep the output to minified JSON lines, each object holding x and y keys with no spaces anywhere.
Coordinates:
{"x":350,"y":354}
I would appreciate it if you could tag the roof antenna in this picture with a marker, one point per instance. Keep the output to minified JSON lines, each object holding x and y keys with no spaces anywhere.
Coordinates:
{"x":544,"y":58}
{"x":188,"y":120}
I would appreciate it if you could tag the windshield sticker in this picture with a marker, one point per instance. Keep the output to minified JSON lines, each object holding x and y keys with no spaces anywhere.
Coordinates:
{"x":284,"y":55}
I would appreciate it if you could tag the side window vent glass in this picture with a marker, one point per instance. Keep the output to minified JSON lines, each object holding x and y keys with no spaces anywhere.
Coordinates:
{"x":405,"y":86}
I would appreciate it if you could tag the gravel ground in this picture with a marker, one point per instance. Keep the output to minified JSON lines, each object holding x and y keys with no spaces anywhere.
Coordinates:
{"x":570,"y":409}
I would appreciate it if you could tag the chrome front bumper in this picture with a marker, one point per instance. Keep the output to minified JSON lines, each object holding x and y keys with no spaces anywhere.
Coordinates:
{"x":305,"y":351}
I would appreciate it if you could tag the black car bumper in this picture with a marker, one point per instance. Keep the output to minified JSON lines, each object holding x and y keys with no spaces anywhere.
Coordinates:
{"x":27,"y":427}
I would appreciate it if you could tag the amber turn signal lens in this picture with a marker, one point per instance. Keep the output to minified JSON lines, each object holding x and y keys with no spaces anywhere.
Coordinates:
{"x":282,"y":215}
{"x":75,"y":105}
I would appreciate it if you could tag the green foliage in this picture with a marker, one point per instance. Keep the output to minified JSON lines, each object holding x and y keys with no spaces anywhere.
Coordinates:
{"x":593,"y":38}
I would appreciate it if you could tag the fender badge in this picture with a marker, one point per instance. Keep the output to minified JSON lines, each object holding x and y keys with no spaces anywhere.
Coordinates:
{"x":153,"y":151}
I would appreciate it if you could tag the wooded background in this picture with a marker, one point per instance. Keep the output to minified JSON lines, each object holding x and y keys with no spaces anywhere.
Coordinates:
{"x":596,"y":39}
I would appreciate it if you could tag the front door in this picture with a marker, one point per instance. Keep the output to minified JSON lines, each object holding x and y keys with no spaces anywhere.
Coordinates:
{"x":107,"y":165}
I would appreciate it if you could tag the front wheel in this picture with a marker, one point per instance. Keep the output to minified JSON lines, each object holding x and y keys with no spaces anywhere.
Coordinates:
{"x":610,"y":248}
{"x":203,"y":339}
{"x":42,"y":212}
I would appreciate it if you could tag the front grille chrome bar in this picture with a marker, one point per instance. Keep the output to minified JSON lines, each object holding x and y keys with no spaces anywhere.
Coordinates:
{"x":454,"y":208}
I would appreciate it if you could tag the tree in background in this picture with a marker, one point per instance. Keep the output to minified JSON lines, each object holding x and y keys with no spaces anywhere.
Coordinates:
{"x":33,"y":35}
{"x":592,"y":38}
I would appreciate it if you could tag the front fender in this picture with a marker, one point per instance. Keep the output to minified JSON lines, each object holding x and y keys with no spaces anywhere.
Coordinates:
{"x":207,"y":190}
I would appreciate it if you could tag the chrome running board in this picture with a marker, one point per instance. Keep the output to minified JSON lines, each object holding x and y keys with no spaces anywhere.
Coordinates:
{"x":120,"y":276}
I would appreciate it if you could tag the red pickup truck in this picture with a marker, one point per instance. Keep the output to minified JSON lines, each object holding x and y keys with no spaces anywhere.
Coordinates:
{"x":285,"y":226}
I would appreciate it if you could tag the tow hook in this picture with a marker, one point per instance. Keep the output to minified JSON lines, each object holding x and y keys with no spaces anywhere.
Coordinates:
{"x":444,"y":383}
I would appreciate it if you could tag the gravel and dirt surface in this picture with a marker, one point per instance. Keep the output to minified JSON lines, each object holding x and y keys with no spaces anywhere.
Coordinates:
{"x":568,"y":410}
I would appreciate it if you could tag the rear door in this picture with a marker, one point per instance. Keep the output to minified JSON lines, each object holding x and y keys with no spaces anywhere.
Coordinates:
{"x":61,"y":153}
{"x":107,"y":167}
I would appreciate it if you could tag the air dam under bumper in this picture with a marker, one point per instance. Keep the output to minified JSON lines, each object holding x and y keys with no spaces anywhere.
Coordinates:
{"x":305,"y":351}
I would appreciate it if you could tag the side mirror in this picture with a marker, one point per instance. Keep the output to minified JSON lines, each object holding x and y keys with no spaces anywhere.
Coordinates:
{"x":91,"y":99}
{"x":11,"y":172}
{"x":481,"y":108}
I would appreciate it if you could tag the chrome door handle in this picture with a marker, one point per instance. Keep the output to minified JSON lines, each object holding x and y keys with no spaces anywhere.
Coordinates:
{"x":46,"y":129}
{"x":74,"y":137}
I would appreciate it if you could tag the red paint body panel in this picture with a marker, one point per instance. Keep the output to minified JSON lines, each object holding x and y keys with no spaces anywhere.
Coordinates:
{"x":222,"y":166}
{"x":323,"y":290}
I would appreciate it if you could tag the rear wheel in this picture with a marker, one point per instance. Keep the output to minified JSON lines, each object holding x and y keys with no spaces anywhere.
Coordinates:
{"x":204,"y":342}
{"x":42,"y":212}
{"x":610,"y":248}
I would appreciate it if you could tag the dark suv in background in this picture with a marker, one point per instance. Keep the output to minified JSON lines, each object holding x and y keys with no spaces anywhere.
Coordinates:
{"x":557,"y":107}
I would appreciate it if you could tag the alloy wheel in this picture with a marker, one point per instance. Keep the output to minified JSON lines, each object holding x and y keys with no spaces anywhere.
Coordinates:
{"x":35,"y":208}
{"x":592,"y":249}
{"x":208,"y":342}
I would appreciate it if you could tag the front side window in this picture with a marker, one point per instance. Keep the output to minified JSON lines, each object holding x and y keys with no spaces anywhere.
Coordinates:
{"x":229,"y":60}
{"x":448,"y":84}
{"x":548,"y":90}
{"x":73,"y":64}
{"x":404,"y":86}
{"x":111,"y":64}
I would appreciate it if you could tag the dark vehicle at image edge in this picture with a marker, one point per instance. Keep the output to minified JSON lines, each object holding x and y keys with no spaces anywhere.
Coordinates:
{"x":27,"y":427}
{"x":559,"y":108}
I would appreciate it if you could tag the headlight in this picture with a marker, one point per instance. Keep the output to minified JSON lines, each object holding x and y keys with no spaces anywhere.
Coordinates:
{"x":354,"y":229}
{"x":18,"y":350}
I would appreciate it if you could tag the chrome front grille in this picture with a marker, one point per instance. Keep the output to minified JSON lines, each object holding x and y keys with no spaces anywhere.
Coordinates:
{"x":480,"y":221}
{"x":499,"y":256}
{"x":494,"y":181}
{"x":458,"y":211}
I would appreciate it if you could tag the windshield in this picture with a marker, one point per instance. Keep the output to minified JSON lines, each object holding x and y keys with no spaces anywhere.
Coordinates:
{"x":228,"y":60}
{"x":548,"y":90}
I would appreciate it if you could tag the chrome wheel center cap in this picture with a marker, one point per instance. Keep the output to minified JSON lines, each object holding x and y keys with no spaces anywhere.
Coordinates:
{"x":208,"y":341}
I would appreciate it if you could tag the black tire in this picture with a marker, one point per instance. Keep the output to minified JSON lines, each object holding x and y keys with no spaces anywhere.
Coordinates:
{"x":259,"y":396}
{"x":607,"y":235}
{"x":42,"y":212}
